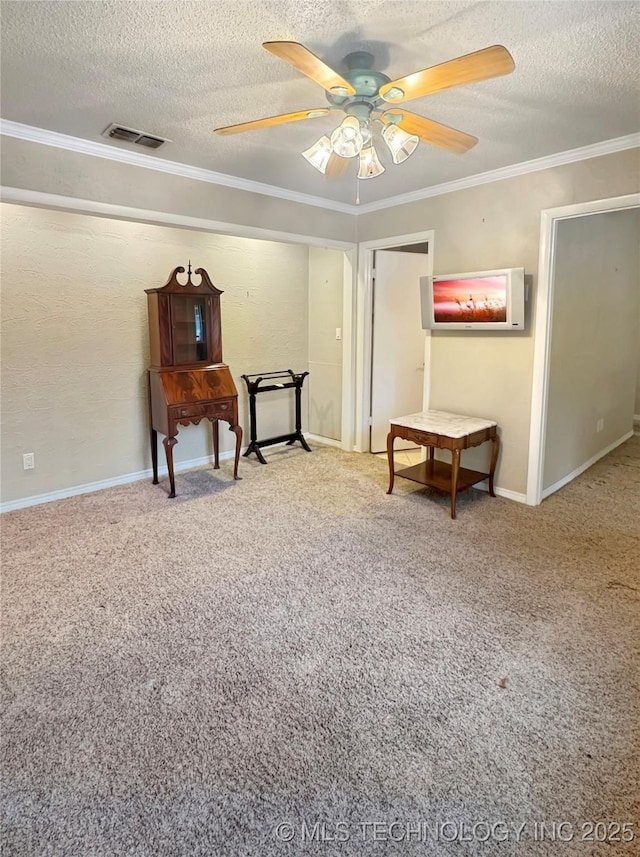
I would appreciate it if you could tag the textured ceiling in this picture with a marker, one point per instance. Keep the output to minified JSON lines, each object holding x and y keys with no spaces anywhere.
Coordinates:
{"x":180,"y":69}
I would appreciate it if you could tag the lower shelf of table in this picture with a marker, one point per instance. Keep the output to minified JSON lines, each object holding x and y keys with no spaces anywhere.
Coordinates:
{"x":437,"y":474}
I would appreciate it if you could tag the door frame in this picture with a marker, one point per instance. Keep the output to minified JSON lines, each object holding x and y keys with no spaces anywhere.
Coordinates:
{"x":349,"y":356}
{"x":364,"y":323}
{"x":549,"y":219}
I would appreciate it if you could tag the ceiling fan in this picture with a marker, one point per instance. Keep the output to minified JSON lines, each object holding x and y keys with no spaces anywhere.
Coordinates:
{"x":368,"y":96}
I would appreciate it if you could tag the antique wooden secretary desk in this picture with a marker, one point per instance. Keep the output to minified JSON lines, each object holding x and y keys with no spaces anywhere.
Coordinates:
{"x":188,"y":381}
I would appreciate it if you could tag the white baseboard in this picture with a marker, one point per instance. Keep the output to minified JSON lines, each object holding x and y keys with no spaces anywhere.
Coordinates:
{"x":516,"y":496}
{"x":546,"y":492}
{"x":327,"y":441}
{"x":89,"y":487}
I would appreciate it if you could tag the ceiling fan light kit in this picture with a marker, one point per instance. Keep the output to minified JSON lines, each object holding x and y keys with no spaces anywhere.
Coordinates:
{"x":400,"y":144}
{"x":346,"y":140}
{"x":363,"y":93}
{"x":318,"y":155}
{"x":370,"y":166}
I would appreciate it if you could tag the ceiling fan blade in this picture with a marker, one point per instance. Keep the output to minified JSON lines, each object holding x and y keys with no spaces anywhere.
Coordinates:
{"x":481,"y":65}
{"x":307,"y":63}
{"x":432,"y":132}
{"x":336,"y":167}
{"x":272,"y":120}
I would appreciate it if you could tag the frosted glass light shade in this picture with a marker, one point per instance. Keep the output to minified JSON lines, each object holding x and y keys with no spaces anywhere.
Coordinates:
{"x":400,"y":144}
{"x":346,"y":140}
{"x":318,"y":155}
{"x":370,"y":166}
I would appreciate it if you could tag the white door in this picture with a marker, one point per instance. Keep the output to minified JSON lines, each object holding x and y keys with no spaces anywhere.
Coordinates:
{"x":398,"y":347}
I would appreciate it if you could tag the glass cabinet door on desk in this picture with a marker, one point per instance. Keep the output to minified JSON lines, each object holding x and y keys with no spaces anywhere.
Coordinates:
{"x":184,"y":321}
{"x":189,"y":323}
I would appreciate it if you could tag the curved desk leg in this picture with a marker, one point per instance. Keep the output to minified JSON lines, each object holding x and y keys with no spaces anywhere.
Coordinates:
{"x":238,"y":433}
{"x":390,"y":439}
{"x":216,"y":445}
{"x":169,"y":443}
{"x":495,"y":449}
{"x":455,"y":469}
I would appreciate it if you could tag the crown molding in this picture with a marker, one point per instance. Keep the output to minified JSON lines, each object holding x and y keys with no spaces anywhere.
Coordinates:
{"x":42,"y":199}
{"x":595,"y":150}
{"x":102,"y":150}
{"x":150,"y":162}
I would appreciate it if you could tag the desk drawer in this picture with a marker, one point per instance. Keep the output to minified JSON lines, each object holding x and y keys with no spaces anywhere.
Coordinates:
{"x":224,"y":409}
{"x":185,"y":412}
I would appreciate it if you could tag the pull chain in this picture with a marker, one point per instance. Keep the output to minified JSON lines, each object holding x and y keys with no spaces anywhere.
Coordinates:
{"x":357,"y":190}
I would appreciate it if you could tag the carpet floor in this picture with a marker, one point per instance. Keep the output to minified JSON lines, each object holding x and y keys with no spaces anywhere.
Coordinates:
{"x":297,"y":663}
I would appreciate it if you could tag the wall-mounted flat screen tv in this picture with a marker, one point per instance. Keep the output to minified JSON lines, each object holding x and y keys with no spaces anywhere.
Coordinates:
{"x":477,"y":300}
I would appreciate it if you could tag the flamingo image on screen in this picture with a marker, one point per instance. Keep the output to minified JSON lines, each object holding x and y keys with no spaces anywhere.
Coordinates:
{"x":477,"y":299}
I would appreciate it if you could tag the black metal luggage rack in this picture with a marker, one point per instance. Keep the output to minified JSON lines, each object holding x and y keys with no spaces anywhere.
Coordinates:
{"x":254,"y":386}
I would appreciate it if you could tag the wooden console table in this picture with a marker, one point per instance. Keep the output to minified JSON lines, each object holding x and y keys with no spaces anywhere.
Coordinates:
{"x":442,"y":430}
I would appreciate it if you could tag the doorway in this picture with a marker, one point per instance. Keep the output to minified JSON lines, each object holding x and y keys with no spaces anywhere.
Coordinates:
{"x":404,"y":246}
{"x":397,"y":340}
{"x":550,"y":220}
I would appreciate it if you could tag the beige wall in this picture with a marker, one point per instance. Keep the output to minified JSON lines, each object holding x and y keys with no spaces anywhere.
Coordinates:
{"x":487,"y":226}
{"x":594,"y":339}
{"x":325,"y":351}
{"x":491,"y":226}
{"x":32,"y":166}
{"x":75,"y":339}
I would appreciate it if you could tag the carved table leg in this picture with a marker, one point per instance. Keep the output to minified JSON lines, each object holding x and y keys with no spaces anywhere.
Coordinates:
{"x":238,"y":433}
{"x":455,"y":469}
{"x":495,"y":449}
{"x":390,"y":439}
{"x":169,"y":443}
{"x":154,"y":455}
{"x":216,"y":445}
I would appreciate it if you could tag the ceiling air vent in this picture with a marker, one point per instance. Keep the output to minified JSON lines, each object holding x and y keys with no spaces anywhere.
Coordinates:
{"x":130,"y":135}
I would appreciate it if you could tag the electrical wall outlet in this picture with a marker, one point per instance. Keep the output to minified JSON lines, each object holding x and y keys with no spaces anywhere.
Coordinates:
{"x":338,"y":333}
{"x":600,"y":425}
{"x":29,"y":461}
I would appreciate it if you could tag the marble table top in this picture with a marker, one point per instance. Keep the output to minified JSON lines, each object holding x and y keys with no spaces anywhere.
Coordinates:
{"x":441,"y":422}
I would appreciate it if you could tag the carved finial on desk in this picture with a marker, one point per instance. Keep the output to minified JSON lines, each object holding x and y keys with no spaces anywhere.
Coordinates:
{"x":173,"y":285}
{"x":189,"y":270}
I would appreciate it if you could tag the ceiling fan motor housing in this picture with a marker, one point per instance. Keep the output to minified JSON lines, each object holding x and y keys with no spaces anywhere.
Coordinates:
{"x":366,"y":83}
